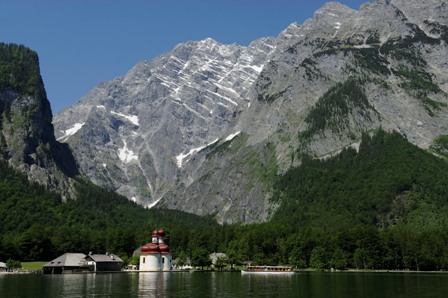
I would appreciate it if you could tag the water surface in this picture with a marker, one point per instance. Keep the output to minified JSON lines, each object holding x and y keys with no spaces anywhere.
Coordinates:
{"x":216,"y":284}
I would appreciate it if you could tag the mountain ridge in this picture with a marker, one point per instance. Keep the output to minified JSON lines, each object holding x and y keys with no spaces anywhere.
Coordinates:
{"x":159,"y":134}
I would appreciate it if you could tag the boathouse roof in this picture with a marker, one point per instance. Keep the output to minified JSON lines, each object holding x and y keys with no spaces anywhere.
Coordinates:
{"x":106,"y":258}
{"x":68,"y":260}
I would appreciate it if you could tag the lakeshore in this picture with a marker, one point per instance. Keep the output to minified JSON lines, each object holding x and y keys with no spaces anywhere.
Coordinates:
{"x":305,"y":270}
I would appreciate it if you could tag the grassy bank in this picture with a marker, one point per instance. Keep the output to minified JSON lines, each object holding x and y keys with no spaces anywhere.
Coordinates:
{"x":33,"y":265}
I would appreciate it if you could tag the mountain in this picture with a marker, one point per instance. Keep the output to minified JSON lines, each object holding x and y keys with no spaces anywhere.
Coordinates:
{"x":27,"y":141}
{"x":208,"y":128}
{"x":135,"y":133}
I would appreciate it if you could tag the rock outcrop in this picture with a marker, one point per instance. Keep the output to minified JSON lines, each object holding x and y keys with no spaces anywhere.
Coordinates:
{"x":27,"y":141}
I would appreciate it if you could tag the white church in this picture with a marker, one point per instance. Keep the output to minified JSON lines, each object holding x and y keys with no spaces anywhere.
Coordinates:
{"x":155,"y":256}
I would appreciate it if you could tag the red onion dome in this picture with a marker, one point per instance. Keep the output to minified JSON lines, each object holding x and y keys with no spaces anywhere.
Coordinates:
{"x":150,"y":248}
{"x":164,"y":248}
{"x":155,"y":233}
{"x":161,"y":232}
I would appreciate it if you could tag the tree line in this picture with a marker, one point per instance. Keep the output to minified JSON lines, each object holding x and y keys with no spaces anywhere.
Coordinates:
{"x":383,"y":206}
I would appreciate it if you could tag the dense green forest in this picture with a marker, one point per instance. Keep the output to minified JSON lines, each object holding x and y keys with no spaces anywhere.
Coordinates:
{"x":332,"y":109}
{"x":388,"y":182}
{"x":36,"y":225}
{"x":384,"y":206}
{"x":19,"y":69}
{"x":388,"y":202}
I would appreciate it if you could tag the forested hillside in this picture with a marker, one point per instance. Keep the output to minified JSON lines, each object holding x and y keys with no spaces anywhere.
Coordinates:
{"x":36,"y":225}
{"x":384,"y":207}
{"x":388,"y":182}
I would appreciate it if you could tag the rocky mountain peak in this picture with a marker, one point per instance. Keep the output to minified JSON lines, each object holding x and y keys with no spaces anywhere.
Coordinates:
{"x":327,"y":20}
{"x":334,"y":10}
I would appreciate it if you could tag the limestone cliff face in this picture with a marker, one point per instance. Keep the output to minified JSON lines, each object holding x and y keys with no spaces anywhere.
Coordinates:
{"x":134,"y":134}
{"x":206,"y":127}
{"x":27,"y":140}
{"x":365,"y":69}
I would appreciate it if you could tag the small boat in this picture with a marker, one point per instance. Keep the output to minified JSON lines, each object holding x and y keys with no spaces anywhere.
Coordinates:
{"x":268,"y":270}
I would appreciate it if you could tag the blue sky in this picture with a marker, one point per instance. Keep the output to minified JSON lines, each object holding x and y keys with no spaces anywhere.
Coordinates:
{"x":84,"y":42}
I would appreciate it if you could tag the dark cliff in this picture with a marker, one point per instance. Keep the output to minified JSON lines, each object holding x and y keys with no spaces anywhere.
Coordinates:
{"x":27,"y":140}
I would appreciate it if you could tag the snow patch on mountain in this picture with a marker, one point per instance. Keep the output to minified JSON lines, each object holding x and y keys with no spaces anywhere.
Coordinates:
{"x":71,"y":131}
{"x":181,"y":157}
{"x":131,"y":118}
{"x":125,"y":154}
{"x":232,"y":136}
{"x":153,"y":203}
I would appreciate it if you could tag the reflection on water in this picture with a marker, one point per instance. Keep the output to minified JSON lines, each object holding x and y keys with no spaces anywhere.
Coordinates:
{"x":153,"y":284}
{"x":259,"y":285}
{"x":69,"y":285}
{"x":206,"y":284}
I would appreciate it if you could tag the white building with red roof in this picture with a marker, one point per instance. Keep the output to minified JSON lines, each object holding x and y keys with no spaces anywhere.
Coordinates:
{"x":155,"y":256}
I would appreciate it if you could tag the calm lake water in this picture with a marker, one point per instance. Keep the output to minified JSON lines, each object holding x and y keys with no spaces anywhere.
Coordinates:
{"x":208,"y":284}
